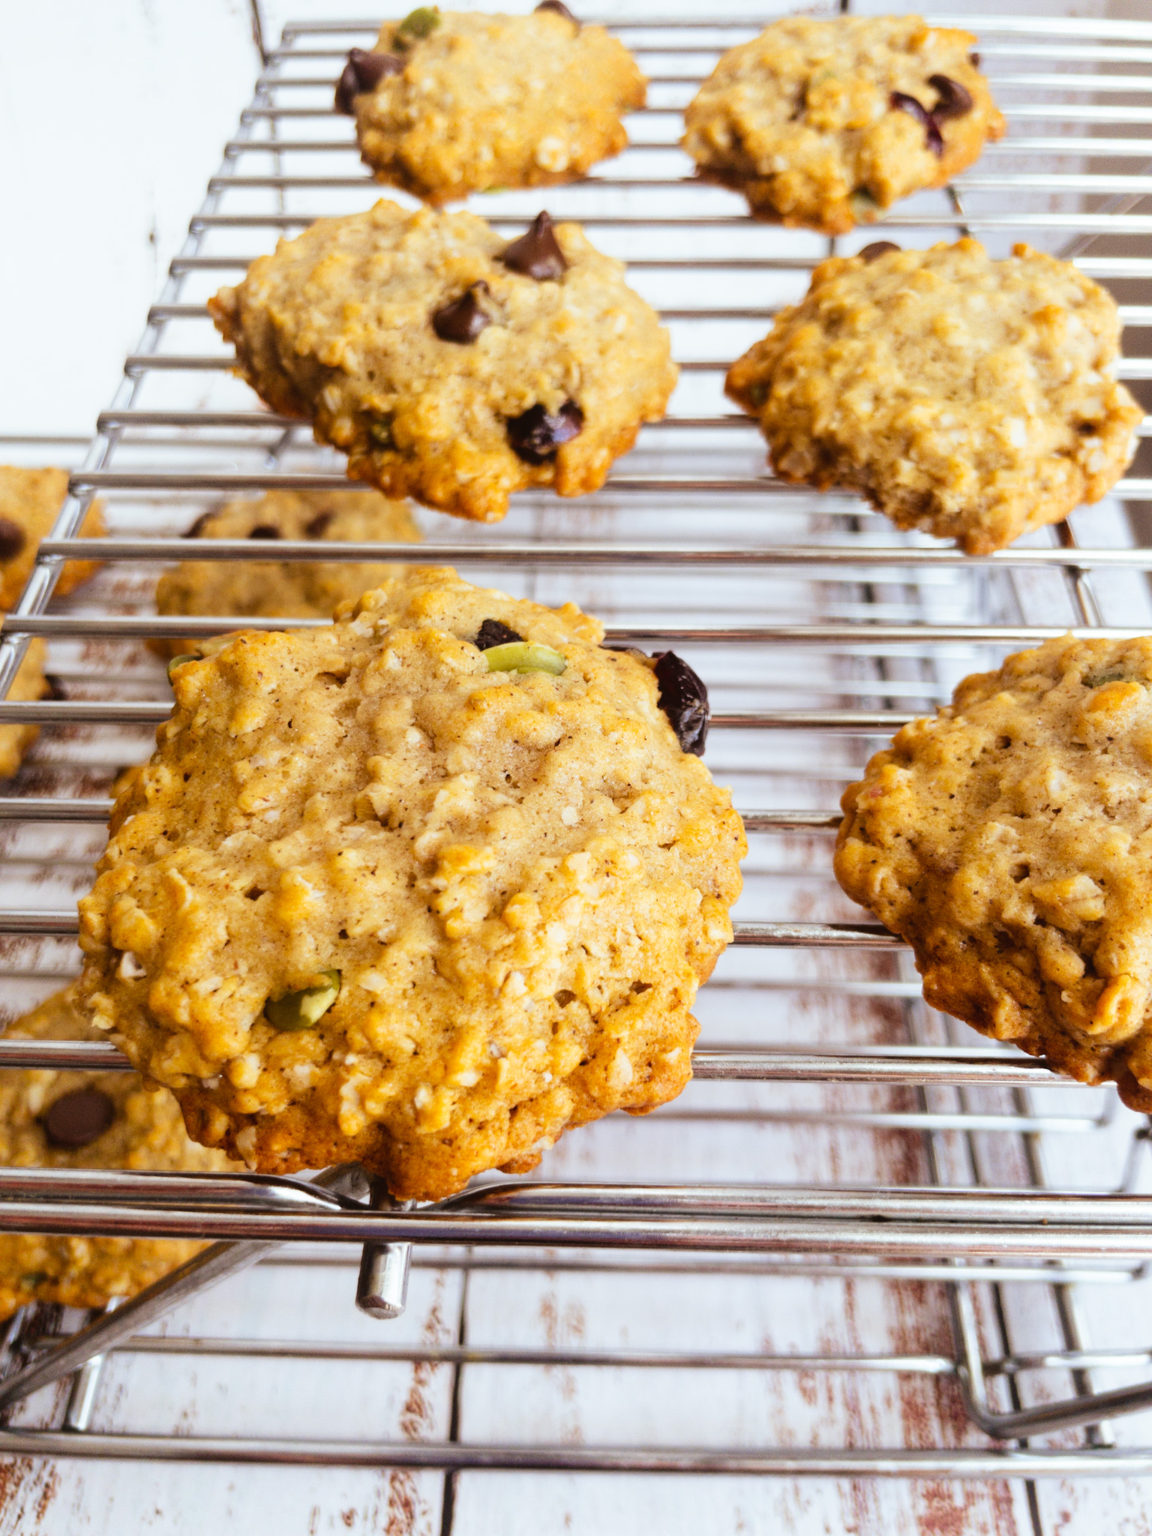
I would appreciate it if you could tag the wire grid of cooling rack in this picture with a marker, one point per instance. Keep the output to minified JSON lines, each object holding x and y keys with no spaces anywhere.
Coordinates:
{"x":844,"y":1159}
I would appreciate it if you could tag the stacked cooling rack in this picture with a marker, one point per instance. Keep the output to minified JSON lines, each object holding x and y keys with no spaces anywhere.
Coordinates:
{"x":865,"y":1243}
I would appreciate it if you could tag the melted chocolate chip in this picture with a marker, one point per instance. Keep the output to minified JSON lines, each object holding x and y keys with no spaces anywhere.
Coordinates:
{"x":559,"y":7}
{"x":954,"y":99}
{"x":974,"y":60}
{"x":264,"y":531}
{"x":536,"y":254}
{"x":492,"y":632}
{"x":77,"y":1118}
{"x":900,"y":101}
{"x":877,"y":248}
{"x":12,"y":539}
{"x":684,"y":699}
{"x":53,"y":687}
{"x":318,"y":526}
{"x":536,"y":435}
{"x":364,"y":72}
{"x":463,"y":319}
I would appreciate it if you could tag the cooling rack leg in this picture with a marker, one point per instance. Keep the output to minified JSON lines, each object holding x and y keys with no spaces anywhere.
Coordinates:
{"x":82,"y":1398}
{"x":215,"y":1263}
{"x":382,"y":1285}
{"x":207,"y":1268}
{"x":1070,"y":1413}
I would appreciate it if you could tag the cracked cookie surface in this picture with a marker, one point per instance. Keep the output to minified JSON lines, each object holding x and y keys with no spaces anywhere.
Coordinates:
{"x":30,"y":500}
{"x":285,"y":588}
{"x":392,"y":902}
{"x":968,"y":397}
{"x":369,"y":326}
{"x":828,"y":123}
{"x":486,"y":101}
{"x":1009,"y":841}
{"x":51,"y":1119}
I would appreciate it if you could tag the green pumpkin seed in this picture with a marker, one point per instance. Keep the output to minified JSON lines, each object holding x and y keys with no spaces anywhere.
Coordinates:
{"x":178,"y":661}
{"x":421,"y":22}
{"x":523,"y":656}
{"x":303,"y":1009}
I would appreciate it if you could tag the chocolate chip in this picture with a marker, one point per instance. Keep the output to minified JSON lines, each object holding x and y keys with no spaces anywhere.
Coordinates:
{"x":347,"y":89}
{"x":53,"y":687}
{"x":559,"y":7}
{"x":264,"y":531}
{"x":77,"y":1118}
{"x":877,"y":248}
{"x":536,"y":435}
{"x":492,"y":632}
{"x":974,"y":60}
{"x":684,"y":699}
{"x":536,"y":254}
{"x":463,"y":319}
{"x":954,"y":99}
{"x":198,"y":526}
{"x":364,"y":72}
{"x":319,"y":525}
{"x":899,"y":101}
{"x":12,"y":539}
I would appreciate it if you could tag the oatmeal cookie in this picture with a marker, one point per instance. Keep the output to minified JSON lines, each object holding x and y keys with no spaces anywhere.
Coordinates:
{"x":969,"y":397}
{"x":87,"y":1120}
{"x":1009,"y":840}
{"x":451,"y":364}
{"x":286,"y":588}
{"x":29,"y":683}
{"x":828,"y":123}
{"x":30,"y":500}
{"x":422,"y":889}
{"x":453,"y":102}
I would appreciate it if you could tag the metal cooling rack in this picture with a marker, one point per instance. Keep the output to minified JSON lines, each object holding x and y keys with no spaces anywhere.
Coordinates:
{"x":945,"y":1225}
